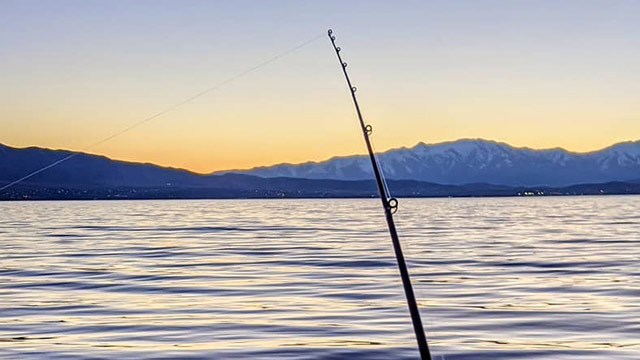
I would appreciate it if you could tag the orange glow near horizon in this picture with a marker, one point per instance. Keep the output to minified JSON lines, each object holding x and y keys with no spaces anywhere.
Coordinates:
{"x":429,"y":73}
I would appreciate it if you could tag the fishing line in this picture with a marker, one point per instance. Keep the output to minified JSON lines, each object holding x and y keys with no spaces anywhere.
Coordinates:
{"x":384,"y":178}
{"x":166,"y":110}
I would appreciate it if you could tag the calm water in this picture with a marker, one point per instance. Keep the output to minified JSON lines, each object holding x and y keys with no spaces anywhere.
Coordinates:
{"x":513,"y":278}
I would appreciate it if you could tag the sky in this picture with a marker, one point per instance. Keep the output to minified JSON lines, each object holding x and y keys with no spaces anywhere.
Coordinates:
{"x":530,"y":73}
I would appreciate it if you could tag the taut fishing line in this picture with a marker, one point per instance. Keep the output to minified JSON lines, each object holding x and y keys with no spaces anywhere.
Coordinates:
{"x":166,"y":110}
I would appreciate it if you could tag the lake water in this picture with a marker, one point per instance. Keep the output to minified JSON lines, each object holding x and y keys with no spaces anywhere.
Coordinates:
{"x":497,"y":278}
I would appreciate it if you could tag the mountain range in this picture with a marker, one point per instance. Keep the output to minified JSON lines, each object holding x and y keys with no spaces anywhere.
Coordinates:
{"x":475,"y":161}
{"x":461,"y":168}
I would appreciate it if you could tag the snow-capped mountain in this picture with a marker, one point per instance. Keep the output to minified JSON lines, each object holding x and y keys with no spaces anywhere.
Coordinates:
{"x":474,"y":161}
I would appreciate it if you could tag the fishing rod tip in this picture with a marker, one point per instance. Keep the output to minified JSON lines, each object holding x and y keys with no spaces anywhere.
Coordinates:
{"x":329,"y":32}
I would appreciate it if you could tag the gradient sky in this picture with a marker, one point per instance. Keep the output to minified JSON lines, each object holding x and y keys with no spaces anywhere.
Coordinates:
{"x":530,"y":73}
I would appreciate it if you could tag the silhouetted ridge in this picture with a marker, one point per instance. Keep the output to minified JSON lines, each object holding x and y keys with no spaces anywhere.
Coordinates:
{"x":97,"y":177}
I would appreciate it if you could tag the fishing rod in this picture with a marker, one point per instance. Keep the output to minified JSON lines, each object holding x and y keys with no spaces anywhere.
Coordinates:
{"x":390,"y":205}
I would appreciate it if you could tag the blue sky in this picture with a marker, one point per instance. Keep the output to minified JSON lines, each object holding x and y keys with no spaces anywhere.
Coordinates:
{"x":531,"y":73}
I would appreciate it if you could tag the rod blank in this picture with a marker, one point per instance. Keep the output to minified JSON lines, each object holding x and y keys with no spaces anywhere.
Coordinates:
{"x":390,"y":205}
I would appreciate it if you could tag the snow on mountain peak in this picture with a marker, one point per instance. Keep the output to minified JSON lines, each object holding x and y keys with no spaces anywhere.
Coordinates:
{"x":477,"y":160}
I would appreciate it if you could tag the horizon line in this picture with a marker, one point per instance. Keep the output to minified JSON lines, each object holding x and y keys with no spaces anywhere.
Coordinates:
{"x":214,"y":172}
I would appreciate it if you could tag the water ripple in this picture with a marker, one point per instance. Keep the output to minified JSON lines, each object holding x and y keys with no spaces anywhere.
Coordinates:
{"x":512,"y":278}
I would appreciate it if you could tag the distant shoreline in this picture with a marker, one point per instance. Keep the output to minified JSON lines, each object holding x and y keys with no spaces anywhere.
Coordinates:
{"x":120,"y":197}
{"x":90,"y":177}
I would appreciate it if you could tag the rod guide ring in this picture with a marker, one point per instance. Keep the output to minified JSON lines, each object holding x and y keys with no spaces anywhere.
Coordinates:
{"x":393,"y":205}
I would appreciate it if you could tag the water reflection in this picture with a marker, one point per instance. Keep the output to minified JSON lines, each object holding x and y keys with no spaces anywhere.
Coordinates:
{"x":513,"y":278}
